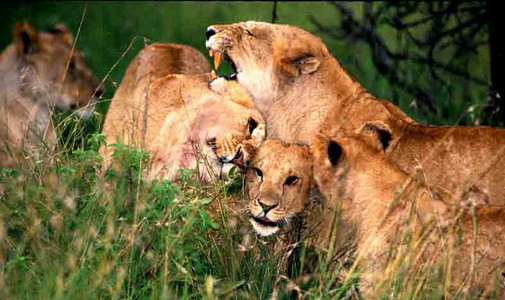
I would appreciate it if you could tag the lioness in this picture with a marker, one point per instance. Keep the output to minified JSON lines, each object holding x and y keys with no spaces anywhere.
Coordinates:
{"x":295,"y":81}
{"x":178,"y":118}
{"x":39,"y":71}
{"x":399,"y":219}
{"x":302,"y":90}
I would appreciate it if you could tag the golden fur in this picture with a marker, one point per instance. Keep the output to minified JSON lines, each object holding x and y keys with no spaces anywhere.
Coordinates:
{"x":302,"y":90}
{"x":280,"y":178}
{"x":127,"y":115}
{"x":39,"y":72}
{"x":178,"y":118}
{"x":456,"y":157}
{"x":295,"y":82}
{"x":389,"y":208}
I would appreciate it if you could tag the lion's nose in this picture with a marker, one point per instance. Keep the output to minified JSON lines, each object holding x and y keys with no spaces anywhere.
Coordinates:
{"x":266,"y":207}
{"x":210,"y":32}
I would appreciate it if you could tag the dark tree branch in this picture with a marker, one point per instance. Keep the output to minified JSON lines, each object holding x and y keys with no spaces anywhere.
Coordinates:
{"x":452,"y":26}
{"x":274,"y":12}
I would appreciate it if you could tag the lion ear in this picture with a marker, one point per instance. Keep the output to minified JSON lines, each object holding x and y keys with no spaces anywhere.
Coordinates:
{"x":334,"y":151}
{"x":25,"y":37}
{"x":305,"y":63}
{"x":380,"y":134}
{"x":62,"y":30}
{"x":325,"y":151}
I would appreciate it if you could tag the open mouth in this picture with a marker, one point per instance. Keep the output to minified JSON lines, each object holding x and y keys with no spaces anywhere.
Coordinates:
{"x":267,"y":222}
{"x":218,"y":58}
{"x":264,"y":226}
{"x":239,"y":158}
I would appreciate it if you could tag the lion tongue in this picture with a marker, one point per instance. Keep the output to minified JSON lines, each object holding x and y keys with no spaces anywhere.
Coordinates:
{"x":217,"y":60}
{"x":267,"y":221}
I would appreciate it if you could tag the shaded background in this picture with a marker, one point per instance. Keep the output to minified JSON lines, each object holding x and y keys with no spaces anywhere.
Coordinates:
{"x":431,"y":59}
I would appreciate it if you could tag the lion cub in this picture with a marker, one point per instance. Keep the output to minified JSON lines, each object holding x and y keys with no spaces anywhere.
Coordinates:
{"x":283,"y":200}
{"x":402,"y":223}
{"x":39,"y":71}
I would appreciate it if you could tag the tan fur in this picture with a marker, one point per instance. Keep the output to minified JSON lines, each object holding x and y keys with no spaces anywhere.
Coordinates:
{"x":178,"y":118}
{"x":39,"y":72}
{"x":383,"y":203}
{"x":303,"y":215}
{"x":456,"y":157}
{"x":267,"y":183}
{"x":295,"y":81}
{"x":127,"y":116}
{"x":302,"y":90}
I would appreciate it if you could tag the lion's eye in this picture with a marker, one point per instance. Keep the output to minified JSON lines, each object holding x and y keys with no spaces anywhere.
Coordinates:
{"x":258,"y":172}
{"x":291,"y":180}
{"x":249,"y":33}
{"x":211,"y":142}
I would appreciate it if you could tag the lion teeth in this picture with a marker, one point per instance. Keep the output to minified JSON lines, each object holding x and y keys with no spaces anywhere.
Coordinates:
{"x":217,"y":59}
{"x":211,"y":53}
{"x":213,"y":74}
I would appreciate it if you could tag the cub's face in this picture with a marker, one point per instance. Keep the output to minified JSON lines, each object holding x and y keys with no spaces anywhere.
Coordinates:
{"x":264,"y":54}
{"x":54,"y":70}
{"x":278,"y":184}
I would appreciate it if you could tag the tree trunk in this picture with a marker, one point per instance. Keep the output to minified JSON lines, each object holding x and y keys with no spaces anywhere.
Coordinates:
{"x":494,"y":113}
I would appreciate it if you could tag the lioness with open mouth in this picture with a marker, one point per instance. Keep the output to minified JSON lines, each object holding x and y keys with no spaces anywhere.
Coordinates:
{"x":302,"y":90}
{"x":294,"y":80}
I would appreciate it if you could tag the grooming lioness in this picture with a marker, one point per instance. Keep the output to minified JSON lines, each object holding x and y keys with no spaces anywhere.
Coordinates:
{"x":178,"y":118}
{"x":405,"y":226}
{"x":39,"y":71}
{"x":302,"y":90}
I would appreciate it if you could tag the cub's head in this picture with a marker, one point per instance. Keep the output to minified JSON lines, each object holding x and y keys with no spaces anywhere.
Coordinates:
{"x":52,"y":69}
{"x":229,"y":128}
{"x":278,"y":184}
{"x":342,"y":164}
{"x":265,"y":55}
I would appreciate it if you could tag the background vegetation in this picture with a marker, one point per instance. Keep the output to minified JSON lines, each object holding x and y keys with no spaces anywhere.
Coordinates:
{"x":65,"y":234}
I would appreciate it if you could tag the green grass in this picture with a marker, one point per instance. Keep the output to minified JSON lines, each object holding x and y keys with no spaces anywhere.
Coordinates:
{"x":68,"y":231}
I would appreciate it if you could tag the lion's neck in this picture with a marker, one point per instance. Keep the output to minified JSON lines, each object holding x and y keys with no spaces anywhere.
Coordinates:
{"x":373,"y":186}
{"x":300,"y":107}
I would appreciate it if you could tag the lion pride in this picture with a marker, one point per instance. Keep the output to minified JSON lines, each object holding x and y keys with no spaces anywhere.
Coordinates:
{"x":302,"y":91}
{"x":181,"y":119}
{"x":401,"y":223}
{"x":39,"y":71}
